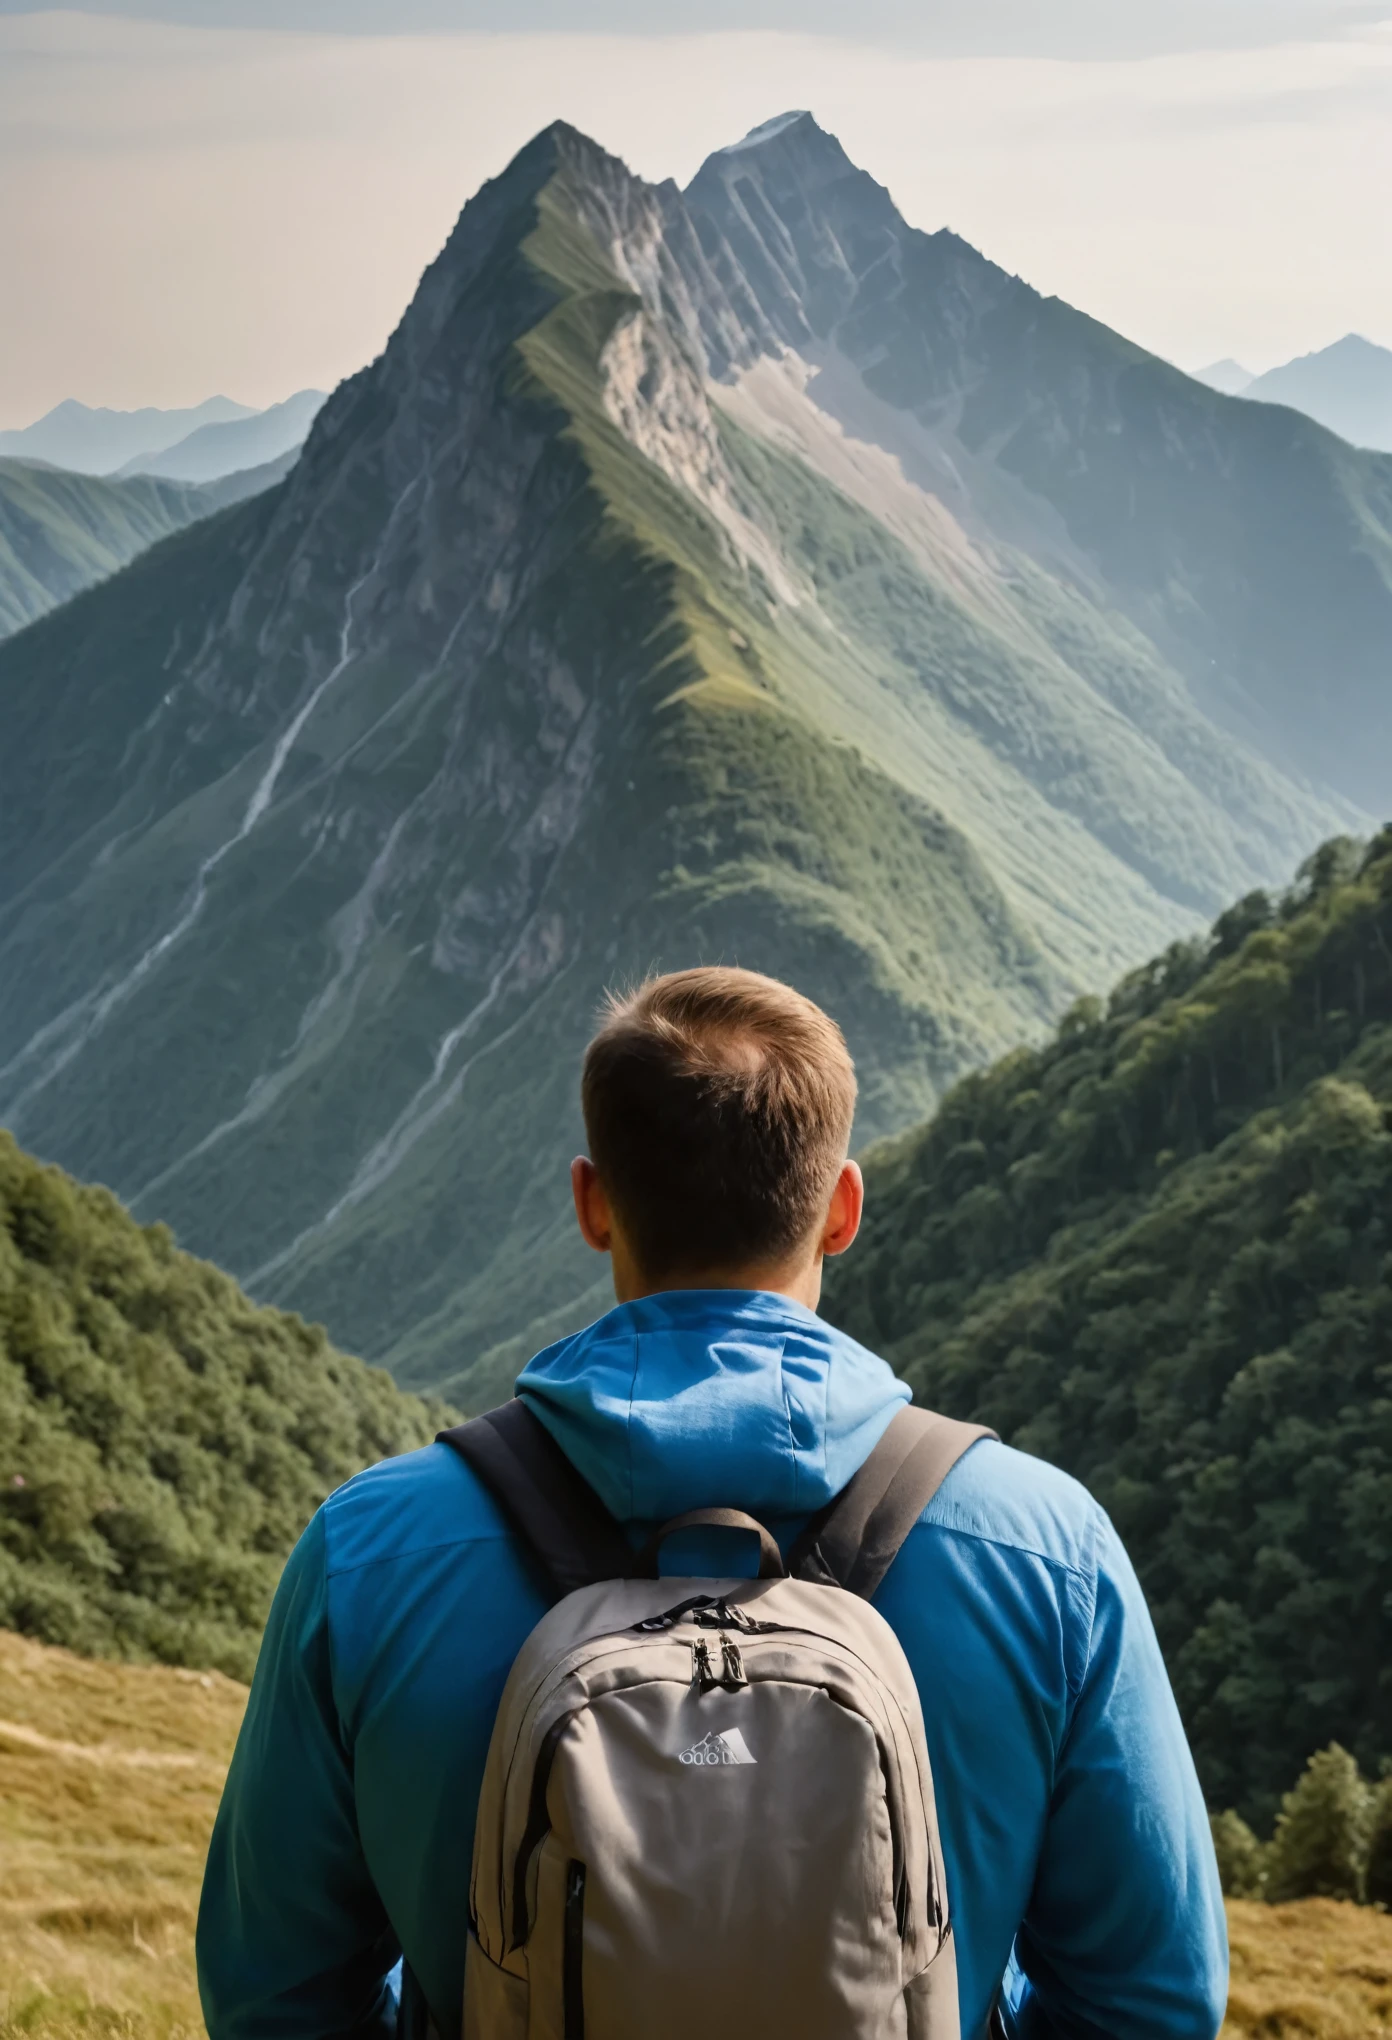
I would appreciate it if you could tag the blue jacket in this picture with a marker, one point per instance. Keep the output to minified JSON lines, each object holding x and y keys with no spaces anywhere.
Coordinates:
{"x":1077,"y":1848}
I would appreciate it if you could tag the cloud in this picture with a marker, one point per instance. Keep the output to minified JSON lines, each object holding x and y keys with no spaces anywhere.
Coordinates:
{"x":184,"y":210}
{"x":1077,"y":29}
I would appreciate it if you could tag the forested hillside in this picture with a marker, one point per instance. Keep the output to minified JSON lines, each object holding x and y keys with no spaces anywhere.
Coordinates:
{"x":162,"y":1440}
{"x":1159,"y":1252}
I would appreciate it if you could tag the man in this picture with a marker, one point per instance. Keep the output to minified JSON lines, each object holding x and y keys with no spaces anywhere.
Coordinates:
{"x":1080,"y":1871}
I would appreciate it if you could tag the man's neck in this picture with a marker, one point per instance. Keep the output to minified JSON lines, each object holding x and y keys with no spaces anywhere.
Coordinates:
{"x":800,"y":1282}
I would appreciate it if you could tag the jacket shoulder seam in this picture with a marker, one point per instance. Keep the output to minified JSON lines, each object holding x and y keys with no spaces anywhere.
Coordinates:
{"x":339,"y":1570}
{"x":1078,"y":1572}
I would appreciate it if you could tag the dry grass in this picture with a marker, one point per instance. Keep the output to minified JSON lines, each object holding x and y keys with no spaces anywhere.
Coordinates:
{"x":1313,"y":1971}
{"x":109,"y":1779}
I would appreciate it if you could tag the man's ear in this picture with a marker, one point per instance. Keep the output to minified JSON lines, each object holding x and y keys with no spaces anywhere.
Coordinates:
{"x":591,"y":1205}
{"x":844,"y":1212}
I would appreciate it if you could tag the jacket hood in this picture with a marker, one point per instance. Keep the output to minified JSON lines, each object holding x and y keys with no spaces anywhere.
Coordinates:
{"x":712,"y":1398}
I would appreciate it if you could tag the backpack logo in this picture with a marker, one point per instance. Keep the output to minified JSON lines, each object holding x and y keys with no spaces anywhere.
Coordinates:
{"x":727,"y":1747}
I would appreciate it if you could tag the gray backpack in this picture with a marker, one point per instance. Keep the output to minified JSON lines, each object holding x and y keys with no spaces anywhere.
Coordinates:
{"x":707,"y":1812}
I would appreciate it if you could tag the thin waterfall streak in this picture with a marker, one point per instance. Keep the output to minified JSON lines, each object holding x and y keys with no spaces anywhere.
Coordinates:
{"x":383,"y":1156}
{"x":265,"y":1090}
{"x":49,"y":1030}
{"x":387,"y":1154}
{"x":260,"y":800}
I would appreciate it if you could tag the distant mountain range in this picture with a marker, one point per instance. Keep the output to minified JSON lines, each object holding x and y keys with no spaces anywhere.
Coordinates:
{"x":73,"y":510}
{"x":1227,"y":375}
{"x":729,"y":573}
{"x":60,"y":532}
{"x":1347,"y":387}
{"x":216,"y":450}
{"x":200,"y":445}
{"x":98,"y":442}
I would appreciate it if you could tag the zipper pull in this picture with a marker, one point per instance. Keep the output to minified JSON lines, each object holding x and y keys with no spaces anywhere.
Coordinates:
{"x":732,"y":1665}
{"x":702,"y":1671}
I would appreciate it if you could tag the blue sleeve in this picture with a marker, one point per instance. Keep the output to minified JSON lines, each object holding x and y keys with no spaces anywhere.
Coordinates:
{"x":1125,"y":1932}
{"x":292,"y":1938}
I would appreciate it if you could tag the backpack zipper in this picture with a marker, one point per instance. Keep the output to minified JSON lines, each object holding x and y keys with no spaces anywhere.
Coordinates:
{"x":703,"y":1673}
{"x":732,"y":1665}
{"x":573,"y":1955}
{"x":707,"y":1611}
{"x":537,"y":1828}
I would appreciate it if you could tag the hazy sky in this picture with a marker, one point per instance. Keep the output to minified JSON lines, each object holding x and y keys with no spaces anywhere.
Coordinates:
{"x":203,"y":202}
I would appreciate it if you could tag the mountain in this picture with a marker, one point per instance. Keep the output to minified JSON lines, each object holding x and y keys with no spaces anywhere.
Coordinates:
{"x":1227,"y":375}
{"x":737,"y":573}
{"x":224,"y":449}
{"x":97,"y":442}
{"x":1347,"y":387}
{"x":1158,"y":1251}
{"x":62,"y":532}
{"x":162,"y":1441}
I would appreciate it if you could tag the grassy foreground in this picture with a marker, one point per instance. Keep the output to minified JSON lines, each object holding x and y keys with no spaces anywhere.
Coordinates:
{"x":109,"y":1779}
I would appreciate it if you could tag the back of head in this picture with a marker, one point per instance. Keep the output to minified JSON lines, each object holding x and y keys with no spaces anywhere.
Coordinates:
{"x":718,"y":1106}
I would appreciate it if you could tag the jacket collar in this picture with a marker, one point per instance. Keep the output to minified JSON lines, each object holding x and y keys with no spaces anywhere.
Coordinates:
{"x":708,"y":1398}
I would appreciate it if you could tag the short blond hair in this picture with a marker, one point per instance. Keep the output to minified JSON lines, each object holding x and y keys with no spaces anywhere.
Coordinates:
{"x":718,"y":1107}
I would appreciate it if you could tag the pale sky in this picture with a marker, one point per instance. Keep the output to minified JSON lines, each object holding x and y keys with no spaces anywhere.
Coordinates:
{"x":202,"y":203}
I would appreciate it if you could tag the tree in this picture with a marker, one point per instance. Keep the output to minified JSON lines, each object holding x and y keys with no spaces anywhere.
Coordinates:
{"x":1377,"y":1877}
{"x":1241,"y":1857}
{"x":1320,"y":1847}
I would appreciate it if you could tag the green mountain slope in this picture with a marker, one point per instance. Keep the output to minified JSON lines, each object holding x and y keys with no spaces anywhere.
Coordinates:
{"x":1159,"y":1252}
{"x":61,"y":532}
{"x":162,"y":1440}
{"x":594,"y":630}
{"x":1250,"y":546}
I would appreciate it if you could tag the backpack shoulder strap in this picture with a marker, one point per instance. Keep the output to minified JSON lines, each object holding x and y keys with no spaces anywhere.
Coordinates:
{"x":855,"y":1539}
{"x":549,"y":1504}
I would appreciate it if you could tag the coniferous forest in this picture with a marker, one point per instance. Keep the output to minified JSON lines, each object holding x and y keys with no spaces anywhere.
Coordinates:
{"x":1158,"y":1250}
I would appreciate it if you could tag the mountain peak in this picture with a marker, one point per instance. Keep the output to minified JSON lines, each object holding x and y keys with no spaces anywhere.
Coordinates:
{"x":769,"y":130}
{"x":1353,"y":349}
{"x":1227,"y":376}
{"x":1346,"y":387}
{"x":795,"y":142}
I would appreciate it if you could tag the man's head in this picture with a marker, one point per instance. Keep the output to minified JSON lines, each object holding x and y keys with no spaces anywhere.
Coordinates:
{"x":718,"y":1107}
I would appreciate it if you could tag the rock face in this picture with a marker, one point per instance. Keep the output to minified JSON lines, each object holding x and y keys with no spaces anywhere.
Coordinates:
{"x":737,"y":574}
